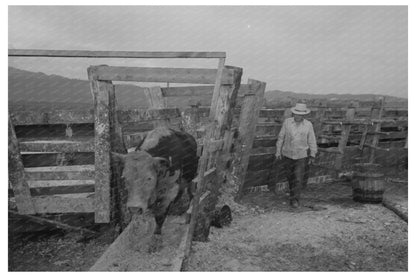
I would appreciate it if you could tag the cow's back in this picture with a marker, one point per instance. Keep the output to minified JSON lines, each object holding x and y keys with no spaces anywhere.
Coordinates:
{"x":178,"y":146}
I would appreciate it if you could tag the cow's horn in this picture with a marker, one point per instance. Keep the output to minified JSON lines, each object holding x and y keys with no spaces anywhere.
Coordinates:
{"x":161,"y":160}
{"x":174,"y":177}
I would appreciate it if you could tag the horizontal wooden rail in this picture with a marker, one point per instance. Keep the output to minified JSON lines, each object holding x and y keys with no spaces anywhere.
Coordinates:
{"x":128,"y":116}
{"x":196,"y":91}
{"x":51,"y":117}
{"x":61,"y":146}
{"x":57,"y":204}
{"x":364,"y":121}
{"x":73,"y":172}
{"x":376,"y":147}
{"x":330,"y":150}
{"x":159,"y":74}
{"x":112,"y":54}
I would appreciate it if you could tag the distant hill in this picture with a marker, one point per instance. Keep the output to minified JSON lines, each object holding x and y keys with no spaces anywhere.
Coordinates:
{"x":28,"y":88}
{"x":33,"y":90}
{"x":277,"y":97}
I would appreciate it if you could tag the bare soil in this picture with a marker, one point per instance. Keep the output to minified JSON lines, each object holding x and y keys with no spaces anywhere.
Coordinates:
{"x":53,"y":251}
{"x":330,"y":232}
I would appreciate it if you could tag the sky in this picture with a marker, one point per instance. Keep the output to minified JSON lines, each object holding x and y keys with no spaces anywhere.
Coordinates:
{"x":309,"y":49}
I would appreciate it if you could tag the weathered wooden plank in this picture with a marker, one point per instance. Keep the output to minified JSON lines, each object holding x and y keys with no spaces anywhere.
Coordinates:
{"x":102,"y":150}
{"x":330,"y":150}
{"x":113,"y":54}
{"x":247,"y":129}
{"x":62,"y":190}
{"x":62,"y":146}
{"x":210,"y":175}
{"x":188,"y":91}
{"x":377,"y":129}
{"x":16,"y":174}
{"x":344,"y":138}
{"x":74,"y":172}
{"x":268,"y":128}
{"x":41,"y":159}
{"x":216,"y":91}
{"x":363,"y":121}
{"x":221,"y":115}
{"x":136,"y":115}
{"x":58,"y":183}
{"x":159,"y":74}
{"x":373,"y":147}
{"x":82,"y":131}
{"x":196,"y":91}
{"x":51,"y":117}
{"x":215,"y":145}
{"x":155,"y":98}
{"x":272,"y":113}
{"x":57,"y":204}
{"x":265,"y":141}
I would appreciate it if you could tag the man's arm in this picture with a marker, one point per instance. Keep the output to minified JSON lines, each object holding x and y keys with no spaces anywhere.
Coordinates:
{"x":312,"y":141}
{"x":280,"y":139}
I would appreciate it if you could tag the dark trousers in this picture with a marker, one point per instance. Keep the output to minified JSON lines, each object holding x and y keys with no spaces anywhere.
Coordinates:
{"x":297,"y":173}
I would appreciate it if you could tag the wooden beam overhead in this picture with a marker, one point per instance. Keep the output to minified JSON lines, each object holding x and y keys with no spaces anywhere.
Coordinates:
{"x":113,"y":54}
{"x":160,"y":74}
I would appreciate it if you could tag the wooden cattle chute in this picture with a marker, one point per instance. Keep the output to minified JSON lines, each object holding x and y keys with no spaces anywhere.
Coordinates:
{"x":227,"y":81}
{"x":104,"y":118}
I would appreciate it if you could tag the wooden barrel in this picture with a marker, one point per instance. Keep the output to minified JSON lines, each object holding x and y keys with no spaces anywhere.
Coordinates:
{"x":368,"y":183}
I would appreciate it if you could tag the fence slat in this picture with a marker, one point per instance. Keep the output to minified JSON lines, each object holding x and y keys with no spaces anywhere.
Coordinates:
{"x":247,"y":129}
{"x":16,"y":175}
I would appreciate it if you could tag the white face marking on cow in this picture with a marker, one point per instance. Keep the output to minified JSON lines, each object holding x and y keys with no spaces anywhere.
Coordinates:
{"x":153,"y":137}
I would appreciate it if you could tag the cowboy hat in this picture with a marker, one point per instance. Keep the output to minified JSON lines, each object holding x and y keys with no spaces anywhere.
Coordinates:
{"x":300,"y":109}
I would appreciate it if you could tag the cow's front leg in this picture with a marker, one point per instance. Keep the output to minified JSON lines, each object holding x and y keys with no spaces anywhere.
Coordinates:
{"x":160,"y":219}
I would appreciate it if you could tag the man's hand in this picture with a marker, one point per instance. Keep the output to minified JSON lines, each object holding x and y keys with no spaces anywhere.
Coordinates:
{"x":311,"y":160}
{"x":278,"y":157}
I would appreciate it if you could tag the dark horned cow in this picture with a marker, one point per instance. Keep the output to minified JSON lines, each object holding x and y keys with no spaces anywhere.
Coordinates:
{"x":158,"y":172}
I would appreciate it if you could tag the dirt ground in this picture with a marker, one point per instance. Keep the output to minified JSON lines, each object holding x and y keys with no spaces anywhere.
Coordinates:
{"x":54,"y":251}
{"x":329,"y":233}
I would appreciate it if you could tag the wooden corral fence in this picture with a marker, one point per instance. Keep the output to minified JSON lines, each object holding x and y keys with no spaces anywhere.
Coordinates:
{"x":344,"y":135}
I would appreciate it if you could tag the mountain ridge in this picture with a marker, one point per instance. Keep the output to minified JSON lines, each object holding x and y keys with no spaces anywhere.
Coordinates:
{"x":27,"y":87}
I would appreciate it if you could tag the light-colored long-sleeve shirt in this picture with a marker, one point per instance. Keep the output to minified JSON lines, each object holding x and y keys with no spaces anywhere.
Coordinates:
{"x":295,"y":139}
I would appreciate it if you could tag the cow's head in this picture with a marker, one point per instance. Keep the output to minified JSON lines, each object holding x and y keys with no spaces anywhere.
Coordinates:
{"x":141,"y":173}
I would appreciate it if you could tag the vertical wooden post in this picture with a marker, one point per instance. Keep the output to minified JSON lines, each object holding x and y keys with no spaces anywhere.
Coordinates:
{"x":318,"y":126}
{"x":17,"y":176}
{"x":345,"y":133}
{"x":405,"y":145}
{"x":217,"y":85}
{"x":156,"y":100}
{"x":249,"y":115}
{"x":220,"y":123}
{"x":118,"y":192}
{"x":102,"y":194}
{"x":377,"y":129}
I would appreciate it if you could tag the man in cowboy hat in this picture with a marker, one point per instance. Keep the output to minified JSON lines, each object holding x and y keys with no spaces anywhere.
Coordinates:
{"x":296,"y":148}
